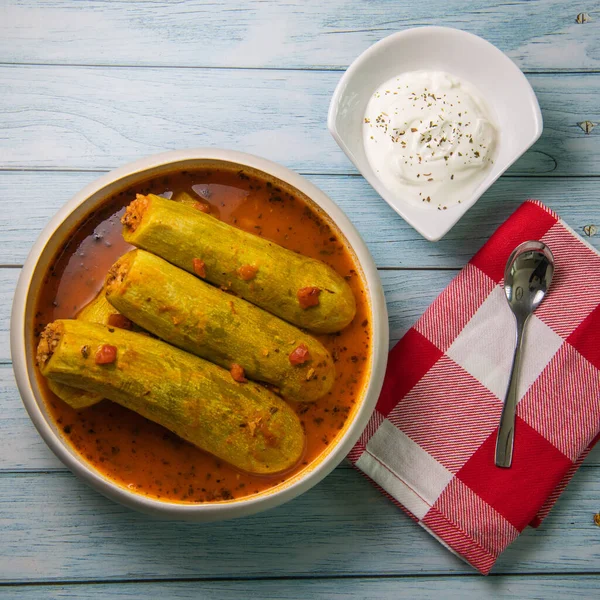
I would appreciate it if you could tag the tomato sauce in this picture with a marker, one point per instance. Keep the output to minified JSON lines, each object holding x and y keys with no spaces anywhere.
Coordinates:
{"x":142,"y":455}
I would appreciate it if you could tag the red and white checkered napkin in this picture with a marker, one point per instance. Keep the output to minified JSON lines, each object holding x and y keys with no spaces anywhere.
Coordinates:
{"x":430,"y":444}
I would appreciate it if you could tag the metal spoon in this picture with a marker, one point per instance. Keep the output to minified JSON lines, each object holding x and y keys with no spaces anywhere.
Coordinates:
{"x":527,"y":278}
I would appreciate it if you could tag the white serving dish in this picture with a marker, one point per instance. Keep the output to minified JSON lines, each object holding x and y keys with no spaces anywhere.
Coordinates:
{"x":53,"y":236}
{"x":506,"y":90}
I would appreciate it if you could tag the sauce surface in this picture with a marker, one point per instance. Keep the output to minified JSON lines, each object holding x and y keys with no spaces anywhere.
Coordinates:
{"x":142,"y":455}
{"x":430,"y":137}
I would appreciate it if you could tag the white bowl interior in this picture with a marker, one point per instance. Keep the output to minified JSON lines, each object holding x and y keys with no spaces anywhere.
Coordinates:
{"x":503,"y":85}
{"x":55,"y":234}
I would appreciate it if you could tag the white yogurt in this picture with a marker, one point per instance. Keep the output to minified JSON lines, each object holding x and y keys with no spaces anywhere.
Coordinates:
{"x":430,"y":137}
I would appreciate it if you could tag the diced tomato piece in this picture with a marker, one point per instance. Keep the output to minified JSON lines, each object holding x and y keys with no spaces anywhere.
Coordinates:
{"x":237,"y":372}
{"x":308,"y":296}
{"x":202,"y":207}
{"x":106,"y":354}
{"x":299,"y":355}
{"x":120,"y":321}
{"x":247,"y":272}
{"x":200,"y":268}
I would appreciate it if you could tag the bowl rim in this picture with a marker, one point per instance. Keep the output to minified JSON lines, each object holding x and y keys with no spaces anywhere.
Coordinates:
{"x":450,"y":218}
{"x":25,"y":377}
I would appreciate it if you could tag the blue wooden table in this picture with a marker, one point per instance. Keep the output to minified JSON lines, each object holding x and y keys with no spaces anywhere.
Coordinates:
{"x":88,"y":86}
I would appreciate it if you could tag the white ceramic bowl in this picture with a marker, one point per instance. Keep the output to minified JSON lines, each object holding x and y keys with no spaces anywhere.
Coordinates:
{"x":463,"y":54}
{"x":54,"y":235}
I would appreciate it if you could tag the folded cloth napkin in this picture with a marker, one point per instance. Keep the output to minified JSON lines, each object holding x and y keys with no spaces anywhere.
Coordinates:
{"x":431,"y":442}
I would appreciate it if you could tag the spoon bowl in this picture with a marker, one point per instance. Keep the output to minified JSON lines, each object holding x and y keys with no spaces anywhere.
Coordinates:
{"x":527,"y":277}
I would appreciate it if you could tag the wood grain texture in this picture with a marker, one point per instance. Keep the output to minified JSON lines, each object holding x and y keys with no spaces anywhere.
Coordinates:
{"x":23,"y":450}
{"x":257,"y":75}
{"x":54,"y":528}
{"x":408,"y":294}
{"x":549,"y":587}
{"x":8,"y":282}
{"x":295,"y":34}
{"x":99,"y":118}
{"x":29,"y":199}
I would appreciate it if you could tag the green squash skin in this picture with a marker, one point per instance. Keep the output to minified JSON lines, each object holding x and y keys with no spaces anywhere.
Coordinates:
{"x":243,"y":424}
{"x":195,"y":316}
{"x":179,"y":234}
{"x":185,"y":198}
{"x":96,"y":311}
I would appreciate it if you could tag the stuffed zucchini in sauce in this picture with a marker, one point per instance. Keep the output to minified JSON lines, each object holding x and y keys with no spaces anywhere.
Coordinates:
{"x":139,"y":453}
{"x":200,"y":318}
{"x":246,"y":425}
{"x":97,"y":311}
{"x":297,"y":288}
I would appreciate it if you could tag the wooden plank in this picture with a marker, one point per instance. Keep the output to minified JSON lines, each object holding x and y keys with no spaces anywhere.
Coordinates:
{"x":454,"y":588}
{"x":8,"y":282}
{"x":297,"y":34}
{"x":28,"y":200}
{"x":408,"y":293}
{"x":24,"y":450}
{"x":53,"y":527}
{"x":99,"y":118}
{"x":343,"y":526}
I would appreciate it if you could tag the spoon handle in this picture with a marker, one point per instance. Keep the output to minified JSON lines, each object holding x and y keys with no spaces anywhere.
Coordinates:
{"x":506,"y":431}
